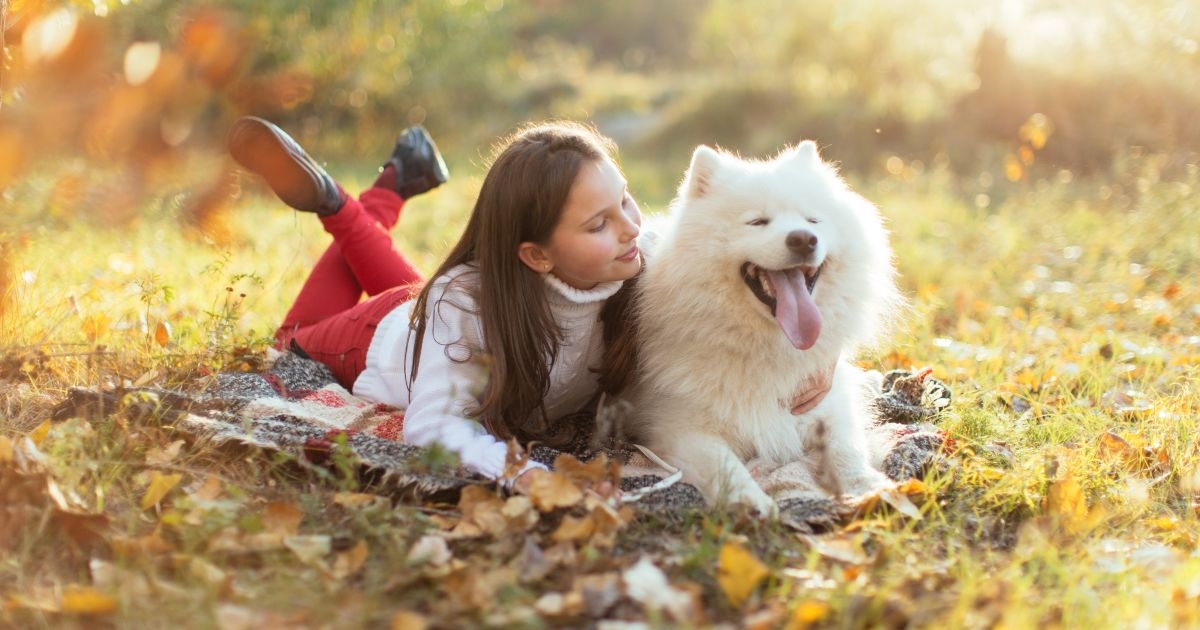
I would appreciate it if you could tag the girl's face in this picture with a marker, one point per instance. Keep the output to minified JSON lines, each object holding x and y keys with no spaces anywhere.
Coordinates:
{"x":595,"y":239}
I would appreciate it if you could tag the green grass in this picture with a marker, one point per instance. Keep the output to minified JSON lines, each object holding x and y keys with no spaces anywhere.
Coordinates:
{"x":1057,"y":313}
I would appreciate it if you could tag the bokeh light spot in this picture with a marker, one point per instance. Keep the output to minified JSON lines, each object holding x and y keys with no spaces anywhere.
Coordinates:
{"x":48,"y":36}
{"x":141,"y":60}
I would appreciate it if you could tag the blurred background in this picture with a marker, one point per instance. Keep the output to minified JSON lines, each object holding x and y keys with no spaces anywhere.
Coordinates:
{"x":108,"y":104}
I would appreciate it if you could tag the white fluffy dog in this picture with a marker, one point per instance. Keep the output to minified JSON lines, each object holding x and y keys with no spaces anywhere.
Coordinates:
{"x":766,"y":279}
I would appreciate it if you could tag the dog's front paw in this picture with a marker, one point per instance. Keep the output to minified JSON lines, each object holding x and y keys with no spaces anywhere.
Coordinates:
{"x":869,"y":482}
{"x":753,"y":496}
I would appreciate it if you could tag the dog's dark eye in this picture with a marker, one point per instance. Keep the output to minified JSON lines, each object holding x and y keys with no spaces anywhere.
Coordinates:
{"x":813,"y":221}
{"x":762,"y":221}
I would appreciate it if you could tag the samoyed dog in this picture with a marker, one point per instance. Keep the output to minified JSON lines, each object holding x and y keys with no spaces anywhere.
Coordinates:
{"x":766,"y":278}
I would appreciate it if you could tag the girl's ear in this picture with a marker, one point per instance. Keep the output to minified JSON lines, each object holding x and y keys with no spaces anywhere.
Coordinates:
{"x":535,"y":257}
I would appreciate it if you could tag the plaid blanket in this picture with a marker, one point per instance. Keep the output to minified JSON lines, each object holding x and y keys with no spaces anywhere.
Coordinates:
{"x":297,"y":407}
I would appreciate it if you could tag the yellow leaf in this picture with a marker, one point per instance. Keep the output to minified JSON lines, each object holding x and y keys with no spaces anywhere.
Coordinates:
{"x":82,"y":600}
{"x":738,"y":573}
{"x":148,"y":545}
{"x":6,"y":450}
{"x":1164,"y":523}
{"x":550,"y":490}
{"x":208,"y":573}
{"x":164,"y":455}
{"x":594,"y":471}
{"x":349,"y":562}
{"x":39,"y":434}
{"x":280,"y":517}
{"x":162,"y":334}
{"x":482,"y":512}
{"x":519,"y":511}
{"x":806,"y":614}
{"x":575,"y":529}
{"x":160,"y":485}
{"x":357,"y":500}
{"x":211,"y":489}
{"x":1065,"y":501}
{"x":94,"y":325}
{"x":408,"y":620}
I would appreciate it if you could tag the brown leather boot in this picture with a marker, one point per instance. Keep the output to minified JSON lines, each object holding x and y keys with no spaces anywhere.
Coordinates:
{"x":266,"y":150}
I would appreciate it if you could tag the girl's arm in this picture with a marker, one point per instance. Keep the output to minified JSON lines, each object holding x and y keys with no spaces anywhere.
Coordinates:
{"x":451,"y":375}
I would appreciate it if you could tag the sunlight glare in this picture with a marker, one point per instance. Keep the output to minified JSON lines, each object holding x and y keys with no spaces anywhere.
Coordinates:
{"x":48,"y":36}
{"x":141,"y":60}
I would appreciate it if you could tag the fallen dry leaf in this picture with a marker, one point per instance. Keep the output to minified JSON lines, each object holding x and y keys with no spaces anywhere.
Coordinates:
{"x":151,"y":544}
{"x":158,"y":488}
{"x":281,"y":517}
{"x":841,"y":547}
{"x":766,"y":618}
{"x":209,"y":573}
{"x":1065,"y":500}
{"x":575,"y":529}
{"x":39,"y":433}
{"x":646,"y":584}
{"x":311,"y":550}
{"x":519,"y":511}
{"x":162,"y":334}
{"x":85,"y":600}
{"x":897,"y":497}
{"x":349,"y":562}
{"x":107,"y":576}
{"x":739,"y":573}
{"x":806,"y":614}
{"x":599,"y":592}
{"x":593,"y":472}
{"x":7,"y":450}
{"x":550,"y":491}
{"x":358,"y":500}
{"x":408,"y":620}
{"x":158,"y":456}
{"x":230,"y":540}
{"x":209,"y":490}
{"x":146,"y":379}
{"x":559,"y":604}
{"x":430,"y":549}
{"x":482,"y":513}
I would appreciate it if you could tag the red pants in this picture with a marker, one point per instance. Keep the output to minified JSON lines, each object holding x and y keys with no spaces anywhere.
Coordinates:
{"x":327,"y":321}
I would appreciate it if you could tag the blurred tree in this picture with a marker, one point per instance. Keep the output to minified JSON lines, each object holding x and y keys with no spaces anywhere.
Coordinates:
{"x":632,"y":34}
{"x":3,"y":48}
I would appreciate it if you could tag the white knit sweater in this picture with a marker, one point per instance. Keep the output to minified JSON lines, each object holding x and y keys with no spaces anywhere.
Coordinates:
{"x":452,"y":372}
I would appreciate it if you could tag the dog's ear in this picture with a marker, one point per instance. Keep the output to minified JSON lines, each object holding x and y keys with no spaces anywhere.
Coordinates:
{"x":705,"y":161}
{"x":806,"y":153}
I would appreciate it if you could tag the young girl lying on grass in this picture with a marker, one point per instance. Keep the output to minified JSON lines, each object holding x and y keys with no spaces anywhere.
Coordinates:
{"x":523,"y":324}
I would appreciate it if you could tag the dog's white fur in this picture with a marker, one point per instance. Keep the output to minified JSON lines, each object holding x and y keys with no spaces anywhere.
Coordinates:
{"x":716,"y":371}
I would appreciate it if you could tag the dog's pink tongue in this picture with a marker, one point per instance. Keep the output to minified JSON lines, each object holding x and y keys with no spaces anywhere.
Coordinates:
{"x":795,"y":310}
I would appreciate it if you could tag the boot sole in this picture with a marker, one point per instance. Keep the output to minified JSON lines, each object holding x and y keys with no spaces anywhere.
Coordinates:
{"x":256,"y":146}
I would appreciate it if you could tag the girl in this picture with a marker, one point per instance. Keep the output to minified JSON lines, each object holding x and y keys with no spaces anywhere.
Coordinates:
{"x":522,"y":324}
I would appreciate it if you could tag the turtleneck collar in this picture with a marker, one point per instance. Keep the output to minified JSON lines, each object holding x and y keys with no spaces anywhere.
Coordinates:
{"x":598,"y":293}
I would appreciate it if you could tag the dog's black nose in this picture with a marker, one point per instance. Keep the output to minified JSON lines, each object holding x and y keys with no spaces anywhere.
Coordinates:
{"x":802,"y":242}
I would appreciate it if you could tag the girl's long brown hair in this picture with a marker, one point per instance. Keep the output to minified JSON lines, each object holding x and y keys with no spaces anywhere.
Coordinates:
{"x":521,"y":200}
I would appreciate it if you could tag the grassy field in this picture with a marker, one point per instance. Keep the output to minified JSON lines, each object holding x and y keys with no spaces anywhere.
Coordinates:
{"x":1063,"y":314}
